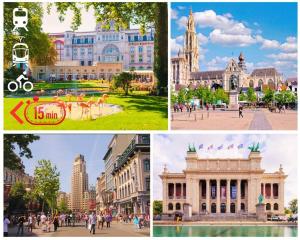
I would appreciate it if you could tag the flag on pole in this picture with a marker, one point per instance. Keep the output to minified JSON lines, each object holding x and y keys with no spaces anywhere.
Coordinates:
{"x":240,"y":146}
{"x":230,"y":146}
{"x":200,"y":146}
{"x":210,"y":147}
{"x":220,"y":147}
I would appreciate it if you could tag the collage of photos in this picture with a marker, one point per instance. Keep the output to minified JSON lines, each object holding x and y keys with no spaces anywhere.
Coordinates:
{"x":159,"y":119}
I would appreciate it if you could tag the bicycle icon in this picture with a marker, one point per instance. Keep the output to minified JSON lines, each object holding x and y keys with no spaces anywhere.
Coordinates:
{"x":15,"y":85}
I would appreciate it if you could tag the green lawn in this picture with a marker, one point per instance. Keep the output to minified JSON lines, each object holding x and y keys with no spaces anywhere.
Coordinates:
{"x":70,"y":84}
{"x":140,"y":112}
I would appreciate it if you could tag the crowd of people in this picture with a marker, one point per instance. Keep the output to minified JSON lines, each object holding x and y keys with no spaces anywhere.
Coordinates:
{"x":51,"y":222}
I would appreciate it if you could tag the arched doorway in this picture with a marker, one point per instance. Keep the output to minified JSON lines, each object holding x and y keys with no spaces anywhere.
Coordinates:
{"x":223,"y":208}
{"x":178,"y":206}
{"x":203,"y":207}
{"x":268,"y":206}
{"x":170,"y":206}
{"x":232,"y":208}
{"x":243,"y":207}
{"x":271,"y":84}
{"x":276,"y":206}
{"x":213,"y":208}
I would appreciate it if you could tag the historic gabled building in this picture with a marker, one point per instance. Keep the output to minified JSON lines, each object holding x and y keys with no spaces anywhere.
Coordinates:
{"x":222,"y":187}
{"x":185,"y":69}
{"x":132,"y":177}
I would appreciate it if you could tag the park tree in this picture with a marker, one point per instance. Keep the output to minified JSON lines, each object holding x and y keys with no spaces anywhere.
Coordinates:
{"x":181,"y":96}
{"x":63,"y":206}
{"x":251,"y":96}
{"x":145,"y":14}
{"x":221,"y":95}
{"x":157,"y":207}
{"x":204,"y":94}
{"x":268,"y":96}
{"x":41,"y":48}
{"x":173,"y":98}
{"x":293,"y":206}
{"x":20,"y":142}
{"x":46,"y":181}
{"x":242,"y":97}
{"x":123,"y":80}
{"x":17,"y":198}
{"x":285,"y":97}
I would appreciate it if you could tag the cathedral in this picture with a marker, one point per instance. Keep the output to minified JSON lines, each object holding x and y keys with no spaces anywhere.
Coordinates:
{"x":185,"y":69}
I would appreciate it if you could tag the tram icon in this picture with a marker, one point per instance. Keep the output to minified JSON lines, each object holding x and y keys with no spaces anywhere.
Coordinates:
{"x":20,"y":54}
{"x":20,"y":18}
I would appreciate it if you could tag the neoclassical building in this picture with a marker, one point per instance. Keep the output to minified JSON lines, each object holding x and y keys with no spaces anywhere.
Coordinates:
{"x":185,"y":69}
{"x":222,"y":187}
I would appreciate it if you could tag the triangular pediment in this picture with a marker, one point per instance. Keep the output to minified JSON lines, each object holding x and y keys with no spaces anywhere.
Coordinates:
{"x":232,"y":66}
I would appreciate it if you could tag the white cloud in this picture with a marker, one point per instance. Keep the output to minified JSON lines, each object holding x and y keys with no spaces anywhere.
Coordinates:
{"x":202,"y":39}
{"x":275,"y":150}
{"x":290,"y":45}
{"x":221,"y":37}
{"x":181,"y":7}
{"x":284,"y":56}
{"x":181,"y":22}
{"x":174,"y":14}
{"x":180,"y":39}
{"x":175,"y":46}
{"x":209,"y":18}
{"x":217,"y":63}
{"x":266,"y":43}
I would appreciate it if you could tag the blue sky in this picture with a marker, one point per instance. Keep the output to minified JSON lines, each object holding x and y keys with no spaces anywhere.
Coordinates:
{"x":62,"y":149}
{"x":265,"y":32}
{"x":276,"y":149}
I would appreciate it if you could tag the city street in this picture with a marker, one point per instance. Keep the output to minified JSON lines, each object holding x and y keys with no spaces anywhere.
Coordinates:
{"x":117,"y":229}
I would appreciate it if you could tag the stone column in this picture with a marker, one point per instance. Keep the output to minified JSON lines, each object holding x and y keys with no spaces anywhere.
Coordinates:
{"x":165,"y":196}
{"x":218,"y":195}
{"x":207,"y":195}
{"x":228,"y":196}
{"x":181,"y":191}
{"x":174,"y":192}
{"x":272,"y":196}
{"x":238,"y":195}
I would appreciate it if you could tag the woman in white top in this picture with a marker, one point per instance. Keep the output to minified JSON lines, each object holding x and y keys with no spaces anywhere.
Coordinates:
{"x":6,"y":222}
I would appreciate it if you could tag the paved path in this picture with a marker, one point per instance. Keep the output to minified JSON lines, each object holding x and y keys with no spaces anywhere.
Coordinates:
{"x":117,"y":229}
{"x":260,"y":122}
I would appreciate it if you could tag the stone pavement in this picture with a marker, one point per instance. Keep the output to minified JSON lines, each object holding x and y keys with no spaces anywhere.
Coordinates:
{"x":260,"y":122}
{"x":254,"y":119}
{"x":117,"y":229}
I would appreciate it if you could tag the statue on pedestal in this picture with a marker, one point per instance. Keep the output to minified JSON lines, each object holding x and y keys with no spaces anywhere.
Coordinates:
{"x":260,"y":199}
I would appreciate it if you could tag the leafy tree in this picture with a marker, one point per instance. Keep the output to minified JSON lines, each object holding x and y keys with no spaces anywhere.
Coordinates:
{"x":46,"y":180}
{"x":20,"y":141}
{"x":251,"y":96}
{"x":145,"y":14}
{"x":285,"y":97}
{"x":17,"y":198}
{"x":173,"y":98}
{"x":181,"y":96}
{"x":41,"y":49}
{"x":268,"y":95}
{"x":124,"y":80}
{"x":204,"y":94}
{"x":293,"y":206}
{"x":63,"y":206}
{"x":157,"y":207}
{"x":220,"y":94}
{"x":242,"y":97}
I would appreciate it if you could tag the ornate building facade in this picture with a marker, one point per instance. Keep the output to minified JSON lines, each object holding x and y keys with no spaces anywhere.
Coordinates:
{"x":132,"y":177}
{"x":185,"y":69}
{"x":98,"y":54}
{"x":223,"y":187}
